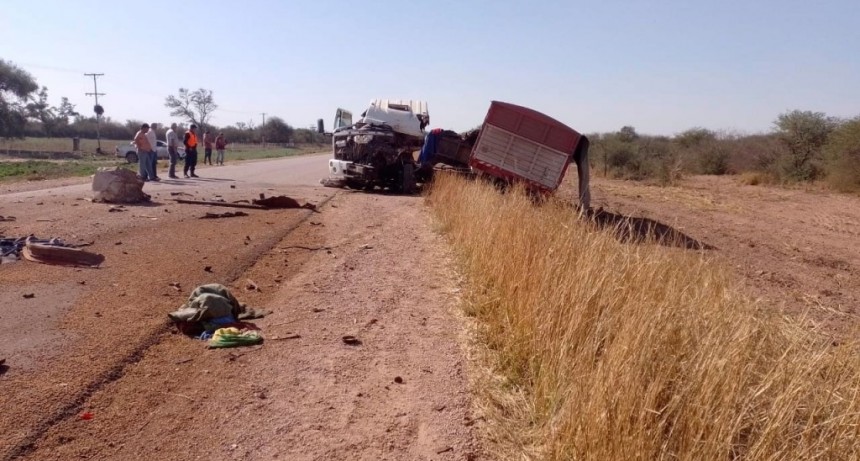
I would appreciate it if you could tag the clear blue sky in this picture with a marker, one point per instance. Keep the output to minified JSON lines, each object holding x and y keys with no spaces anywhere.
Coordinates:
{"x":661,"y":66}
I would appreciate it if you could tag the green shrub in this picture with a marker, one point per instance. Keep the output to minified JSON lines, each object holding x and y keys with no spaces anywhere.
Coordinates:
{"x":842,"y":154}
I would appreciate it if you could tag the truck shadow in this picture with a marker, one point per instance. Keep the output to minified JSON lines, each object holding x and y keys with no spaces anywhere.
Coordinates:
{"x":630,"y":229}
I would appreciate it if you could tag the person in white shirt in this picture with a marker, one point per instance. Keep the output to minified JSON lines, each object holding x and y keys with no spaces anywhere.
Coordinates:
{"x":172,"y":140}
{"x":152,"y":137}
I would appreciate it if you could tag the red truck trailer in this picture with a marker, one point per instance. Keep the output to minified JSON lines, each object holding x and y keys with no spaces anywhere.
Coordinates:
{"x":519,"y":144}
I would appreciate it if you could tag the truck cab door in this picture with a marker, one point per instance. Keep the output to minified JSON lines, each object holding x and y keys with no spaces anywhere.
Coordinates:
{"x":342,"y":118}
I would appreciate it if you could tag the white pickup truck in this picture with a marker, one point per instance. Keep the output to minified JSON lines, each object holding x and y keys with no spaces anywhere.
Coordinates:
{"x":129,"y":152}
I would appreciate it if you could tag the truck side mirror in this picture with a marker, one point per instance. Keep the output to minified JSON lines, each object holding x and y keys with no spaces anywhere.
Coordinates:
{"x":320,"y":126}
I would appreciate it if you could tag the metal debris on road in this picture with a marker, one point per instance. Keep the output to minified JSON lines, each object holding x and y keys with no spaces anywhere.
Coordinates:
{"x":48,"y":251}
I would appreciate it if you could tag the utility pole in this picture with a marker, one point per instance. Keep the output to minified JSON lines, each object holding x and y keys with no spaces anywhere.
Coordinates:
{"x":97,"y":108}
{"x":263,"y":139}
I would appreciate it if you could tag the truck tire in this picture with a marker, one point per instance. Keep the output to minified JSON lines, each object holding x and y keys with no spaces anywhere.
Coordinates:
{"x":131,"y":157}
{"x":408,"y":186}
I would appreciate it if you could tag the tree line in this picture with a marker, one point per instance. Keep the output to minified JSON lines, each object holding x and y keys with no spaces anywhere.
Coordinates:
{"x":25,"y":112}
{"x":803,"y":146}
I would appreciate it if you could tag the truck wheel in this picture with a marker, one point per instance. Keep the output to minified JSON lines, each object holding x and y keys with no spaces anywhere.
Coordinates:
{"x":408,"y":186}
{"x":131,"y":157}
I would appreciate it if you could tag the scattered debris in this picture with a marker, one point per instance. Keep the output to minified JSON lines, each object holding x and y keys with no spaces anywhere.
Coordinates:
{"x":351,"y":340}
{"x":118,"y":185}
{"x":180,"y":362}
{"x":175,"y":285}
{"x":224,"y":204}
{"x":278,"y":338}
{"x":29,"y":295}
{"x":333,"y":182}
{"x":366,"y":246}
{"x":250,"y":285}
{"x":48,"y":251}
{"x":211,"y":307}
{"x":282,"y":201}
{"x":207,"y":269}
{"x":180,"y":193}
{"x":318,"y":309}
{"x":7,"y":218}
{"x":234,"y":337}
{"x":444,"y":449}
{"x":116,"y":209}
{"x":86,"y":416}
{"x":232,"y":186}
{"x":398,"y":380}
{"x":229,"y":214}
{"x":302,"y":247}
{"x":59,"y":255}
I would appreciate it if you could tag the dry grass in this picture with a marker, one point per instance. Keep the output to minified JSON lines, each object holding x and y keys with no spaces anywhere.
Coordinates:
{"x":59,"y":145}
{"x":602,"y":350}
{"x":755,"y":178}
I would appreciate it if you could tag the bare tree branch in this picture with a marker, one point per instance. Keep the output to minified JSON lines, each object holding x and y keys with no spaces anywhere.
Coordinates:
{"x":195,"y":106}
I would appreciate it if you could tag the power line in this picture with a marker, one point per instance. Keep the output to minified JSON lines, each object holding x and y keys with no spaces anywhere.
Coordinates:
{"x":97,"y":108}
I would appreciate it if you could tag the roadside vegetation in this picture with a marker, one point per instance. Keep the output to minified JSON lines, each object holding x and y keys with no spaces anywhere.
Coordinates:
{"x":804,"y":147}
{"x":594,"y":349}
{"x":36,"y":170}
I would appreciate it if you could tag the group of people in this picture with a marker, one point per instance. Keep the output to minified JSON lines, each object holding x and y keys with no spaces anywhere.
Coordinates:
{"x":146,"y":142}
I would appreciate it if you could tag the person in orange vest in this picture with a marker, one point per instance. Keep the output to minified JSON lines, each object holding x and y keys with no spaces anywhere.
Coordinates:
{"x":190,"y":141}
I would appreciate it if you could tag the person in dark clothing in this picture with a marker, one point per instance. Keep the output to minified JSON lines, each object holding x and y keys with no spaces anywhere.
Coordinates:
{"x":190,"y":141}
{"x":207,"y":147}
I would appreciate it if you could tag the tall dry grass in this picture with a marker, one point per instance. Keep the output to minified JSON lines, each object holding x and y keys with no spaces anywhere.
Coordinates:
{"x":610,"y":351}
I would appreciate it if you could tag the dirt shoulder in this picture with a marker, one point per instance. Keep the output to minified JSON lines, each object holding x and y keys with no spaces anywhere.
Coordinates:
{"x":367,"y":266}
{"x":796,"y":250}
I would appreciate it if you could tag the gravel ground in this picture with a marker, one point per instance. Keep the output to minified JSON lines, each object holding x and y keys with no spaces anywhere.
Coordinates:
{"x":98,"y":340}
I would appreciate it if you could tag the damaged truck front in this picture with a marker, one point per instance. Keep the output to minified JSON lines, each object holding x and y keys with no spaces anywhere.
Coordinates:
{"x":377,"y":151}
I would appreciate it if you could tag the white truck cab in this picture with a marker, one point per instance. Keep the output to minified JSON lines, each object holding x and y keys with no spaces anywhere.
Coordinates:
{"x":402,"y":115}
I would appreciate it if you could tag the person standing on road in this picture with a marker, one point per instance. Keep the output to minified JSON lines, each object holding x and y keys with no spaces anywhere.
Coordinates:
{"x":220,"y":145}
{"x":190,"y":141}
{"x":172,"y":141}
{"x":144,"y":151}
{"x":207,"y":147}
{"x":153,"y":143}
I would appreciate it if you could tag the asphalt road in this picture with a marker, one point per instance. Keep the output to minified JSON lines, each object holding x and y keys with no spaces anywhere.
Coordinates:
{"x":305,"y":170}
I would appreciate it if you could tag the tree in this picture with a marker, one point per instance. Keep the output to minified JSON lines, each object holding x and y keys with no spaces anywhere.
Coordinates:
{"x":695,"y":137}
{"x":804,"y":133}
{"x":195,"y":106}
{"x":276,"y":130}
{"x":16,"y":86}
{"x":40,"y":110}
{"x":843,"y":156}
{"x":628,"y":134}
{"x":66,"y":110}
